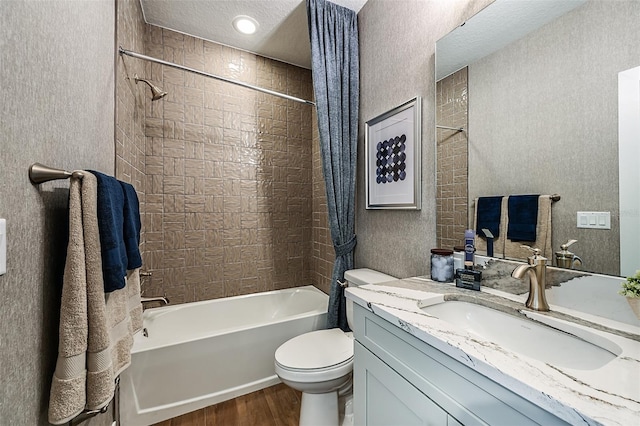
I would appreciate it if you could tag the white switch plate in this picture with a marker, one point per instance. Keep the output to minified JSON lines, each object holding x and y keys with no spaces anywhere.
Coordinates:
{"x":594,"y":220}
{"x":3,"y":246}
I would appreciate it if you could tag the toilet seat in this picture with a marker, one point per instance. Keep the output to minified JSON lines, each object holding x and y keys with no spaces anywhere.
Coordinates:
{"x":316,"y":356}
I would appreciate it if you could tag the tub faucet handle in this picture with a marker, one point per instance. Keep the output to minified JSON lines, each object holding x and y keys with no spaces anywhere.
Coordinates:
{"x":162,"y":300}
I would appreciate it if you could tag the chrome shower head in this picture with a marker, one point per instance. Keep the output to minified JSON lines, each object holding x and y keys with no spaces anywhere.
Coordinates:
{"x":156,"y":92}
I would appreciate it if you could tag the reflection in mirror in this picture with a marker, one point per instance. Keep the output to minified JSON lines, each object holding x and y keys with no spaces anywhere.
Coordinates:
{"x":540,"y":114}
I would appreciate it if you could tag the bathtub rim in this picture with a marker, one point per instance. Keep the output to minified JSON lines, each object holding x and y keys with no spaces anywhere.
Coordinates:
{"x":141,"y":345}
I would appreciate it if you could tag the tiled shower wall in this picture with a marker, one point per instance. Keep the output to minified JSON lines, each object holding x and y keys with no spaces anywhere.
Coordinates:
{"x":323,"y":254}
{"x":452,"y":154}
{"x":130,"y":101}
{"x":230,"y":180}
{"x":229,"y":173}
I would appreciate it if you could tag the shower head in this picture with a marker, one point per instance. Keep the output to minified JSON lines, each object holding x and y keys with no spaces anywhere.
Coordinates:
{"x":156,"y":92}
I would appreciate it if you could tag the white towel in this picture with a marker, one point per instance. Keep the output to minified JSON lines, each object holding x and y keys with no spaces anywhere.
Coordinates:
{"x":96,"y":330}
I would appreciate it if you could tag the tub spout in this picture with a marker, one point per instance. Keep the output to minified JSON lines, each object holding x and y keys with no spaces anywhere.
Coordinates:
{"x":162,"y":300}
{"x":537,"y":272}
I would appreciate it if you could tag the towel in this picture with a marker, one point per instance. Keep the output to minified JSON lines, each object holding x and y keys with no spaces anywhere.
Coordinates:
{"x":111,"y":224}
{"x":68,"y":396}
{"x":499,"y":240}
{"x":523,"y":217}
{"x":96,"y":329}
{"x":488,"y":211}
{"x":132,"y":226}
{"x":512,"y":249}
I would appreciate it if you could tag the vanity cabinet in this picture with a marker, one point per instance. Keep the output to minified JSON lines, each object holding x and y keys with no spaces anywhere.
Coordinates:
{"x":401,"y":380}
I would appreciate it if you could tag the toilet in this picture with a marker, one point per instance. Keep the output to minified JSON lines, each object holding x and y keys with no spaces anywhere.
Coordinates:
{"x":320,"y":363}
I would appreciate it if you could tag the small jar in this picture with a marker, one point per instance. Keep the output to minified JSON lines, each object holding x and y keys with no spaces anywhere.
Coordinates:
{"x":442,"y":265}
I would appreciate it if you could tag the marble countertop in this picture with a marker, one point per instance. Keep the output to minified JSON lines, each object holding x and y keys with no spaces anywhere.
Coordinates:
{"x":608,"y":395}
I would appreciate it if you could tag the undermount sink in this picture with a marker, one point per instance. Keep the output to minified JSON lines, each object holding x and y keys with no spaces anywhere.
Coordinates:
{"x":557,"y":345}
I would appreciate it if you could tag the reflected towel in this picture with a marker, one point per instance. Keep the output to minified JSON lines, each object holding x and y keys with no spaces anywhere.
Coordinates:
{"x":488,"y":211}
{"x":523,"y":217}
{"x":498,"y":242}
{"x":512,"y":249}
{"x":111,"y":225}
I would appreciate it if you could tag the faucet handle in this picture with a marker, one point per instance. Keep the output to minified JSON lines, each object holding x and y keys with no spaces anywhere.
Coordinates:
{"x":533,"y":260}
{"x":535,"y":251}
{"x":567,"y":244}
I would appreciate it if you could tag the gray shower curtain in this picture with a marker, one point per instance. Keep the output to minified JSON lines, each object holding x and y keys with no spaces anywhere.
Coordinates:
{"x":333,"y":31}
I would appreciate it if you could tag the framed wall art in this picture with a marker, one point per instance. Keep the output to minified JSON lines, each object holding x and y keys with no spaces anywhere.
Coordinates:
{"x":392,"y":158}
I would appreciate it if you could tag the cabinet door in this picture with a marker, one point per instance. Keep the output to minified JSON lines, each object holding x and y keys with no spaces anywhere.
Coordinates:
{"x":383,"y":397}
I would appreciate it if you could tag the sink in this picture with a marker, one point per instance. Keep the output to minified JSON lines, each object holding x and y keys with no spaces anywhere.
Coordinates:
{"x":560,"y":345}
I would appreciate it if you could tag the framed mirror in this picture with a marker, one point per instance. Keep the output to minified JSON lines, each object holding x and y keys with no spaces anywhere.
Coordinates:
{"x":534,"y":87}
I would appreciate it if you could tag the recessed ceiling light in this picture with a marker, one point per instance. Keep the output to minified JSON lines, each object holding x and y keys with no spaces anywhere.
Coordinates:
{"x":245,"y":24}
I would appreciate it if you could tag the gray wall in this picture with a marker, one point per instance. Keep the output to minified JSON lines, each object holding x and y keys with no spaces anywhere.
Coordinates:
{"x":397,"y":46}
{"x":543,"y":119}
{"x":57,"y":74}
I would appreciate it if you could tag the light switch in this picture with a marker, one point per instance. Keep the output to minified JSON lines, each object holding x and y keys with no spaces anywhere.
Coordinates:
{"x":582,"y":220}
{"x":594,"y":220}
{"x":602,"y":220}
{"x":3,"y":246}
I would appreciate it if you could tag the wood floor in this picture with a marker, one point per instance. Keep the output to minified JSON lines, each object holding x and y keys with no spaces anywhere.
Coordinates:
{"x":277,"y":405}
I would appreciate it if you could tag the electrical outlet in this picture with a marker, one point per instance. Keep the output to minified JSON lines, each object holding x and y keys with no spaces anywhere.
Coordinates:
{"x":594,"y":220}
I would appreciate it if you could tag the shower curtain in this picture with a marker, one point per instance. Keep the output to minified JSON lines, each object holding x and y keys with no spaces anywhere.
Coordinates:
{"x":333,"y":31}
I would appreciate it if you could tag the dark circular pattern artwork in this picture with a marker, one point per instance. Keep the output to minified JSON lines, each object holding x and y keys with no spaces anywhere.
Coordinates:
{"x":390,"y":160}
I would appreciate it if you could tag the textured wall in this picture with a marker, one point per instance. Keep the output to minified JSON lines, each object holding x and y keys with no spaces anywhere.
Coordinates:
{"x":229,"y":173}
{"x":452,"y":160}
{"x":546,"y":107}
{"x":396,"y":65}
{"x":57,"y":77}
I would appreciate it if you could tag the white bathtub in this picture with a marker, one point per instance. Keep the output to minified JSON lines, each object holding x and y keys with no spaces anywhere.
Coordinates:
{"x":199,"y":354}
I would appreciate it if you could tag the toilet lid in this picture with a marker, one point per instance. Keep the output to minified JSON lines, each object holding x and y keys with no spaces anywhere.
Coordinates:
{"x":316,"y":349}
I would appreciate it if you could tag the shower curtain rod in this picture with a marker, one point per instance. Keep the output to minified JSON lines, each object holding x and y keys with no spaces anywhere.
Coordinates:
{"x":457,"y":129}
{"x":216,"y":77}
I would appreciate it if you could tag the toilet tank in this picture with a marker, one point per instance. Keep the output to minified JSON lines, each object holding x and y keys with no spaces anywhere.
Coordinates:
{"x":362,"y":276}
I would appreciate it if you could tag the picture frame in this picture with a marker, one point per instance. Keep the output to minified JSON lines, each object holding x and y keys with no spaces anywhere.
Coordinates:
{"x":393,"y":143}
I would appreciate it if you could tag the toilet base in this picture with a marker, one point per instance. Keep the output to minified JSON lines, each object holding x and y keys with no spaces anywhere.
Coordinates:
{"x":319,"y":409}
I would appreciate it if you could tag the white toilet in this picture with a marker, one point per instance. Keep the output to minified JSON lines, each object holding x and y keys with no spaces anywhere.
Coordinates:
{"x":320,"y":363}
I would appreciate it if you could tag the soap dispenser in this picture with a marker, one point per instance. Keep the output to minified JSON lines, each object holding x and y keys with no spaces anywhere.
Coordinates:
{"x":566,"y":259}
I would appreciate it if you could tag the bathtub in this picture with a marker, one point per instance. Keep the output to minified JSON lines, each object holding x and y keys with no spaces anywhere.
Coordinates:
{"x":202,"y":353}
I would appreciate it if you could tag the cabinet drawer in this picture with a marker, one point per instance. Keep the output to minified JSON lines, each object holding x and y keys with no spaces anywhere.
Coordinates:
{"x":465,"y":394}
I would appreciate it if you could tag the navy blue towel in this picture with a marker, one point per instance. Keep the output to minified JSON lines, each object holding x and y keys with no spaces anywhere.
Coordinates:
{"x":523,"y":217}
{"x":110,"y":226}
{"x":132,"y":226}
{"x":488,"y":212}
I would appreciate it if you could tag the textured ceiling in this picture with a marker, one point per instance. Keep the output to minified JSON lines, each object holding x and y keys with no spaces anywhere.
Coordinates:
{"x":493,"y":28}
{"x":282,"y":33}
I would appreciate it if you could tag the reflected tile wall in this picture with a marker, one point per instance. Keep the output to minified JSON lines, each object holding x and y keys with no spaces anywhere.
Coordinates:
{"x":452,"y":154}
{"x":229,"y":176}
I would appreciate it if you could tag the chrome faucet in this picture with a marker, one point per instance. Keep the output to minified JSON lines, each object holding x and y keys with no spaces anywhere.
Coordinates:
{"x":162,"y":300}
{"x":537,"y":271}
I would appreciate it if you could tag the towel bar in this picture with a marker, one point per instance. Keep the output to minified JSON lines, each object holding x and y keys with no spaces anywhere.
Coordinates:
{"x":85,"y":415}
{"x":39,"y":173}
{"x":553,"y":198}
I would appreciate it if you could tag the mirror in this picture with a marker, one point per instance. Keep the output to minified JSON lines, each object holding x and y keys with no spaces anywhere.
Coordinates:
{"x":534,"y":85}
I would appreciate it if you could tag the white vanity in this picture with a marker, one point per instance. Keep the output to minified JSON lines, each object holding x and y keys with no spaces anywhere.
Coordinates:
{"x":414,"y":364}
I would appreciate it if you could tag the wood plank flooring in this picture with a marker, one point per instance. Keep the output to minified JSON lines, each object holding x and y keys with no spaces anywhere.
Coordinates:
{"x":277,"y":405}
